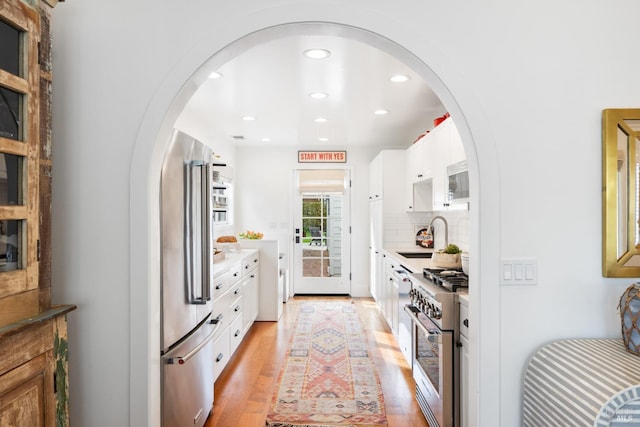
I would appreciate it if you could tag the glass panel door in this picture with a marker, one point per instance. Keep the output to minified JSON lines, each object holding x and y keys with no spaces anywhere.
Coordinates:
{"x":319,"y":257}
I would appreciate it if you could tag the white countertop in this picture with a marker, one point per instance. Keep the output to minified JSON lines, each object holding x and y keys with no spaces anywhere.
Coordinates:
{"x":417,"y":264}
{"x":463,"y":297}
{"x":230,"y":257}
{"x":414,"y":264}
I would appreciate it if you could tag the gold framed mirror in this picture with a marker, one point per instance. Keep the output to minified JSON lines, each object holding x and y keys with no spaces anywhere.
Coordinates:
{"x":621,"y":193}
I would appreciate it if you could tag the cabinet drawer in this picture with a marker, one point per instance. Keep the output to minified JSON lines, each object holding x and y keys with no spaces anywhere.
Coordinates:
{"x":250,"y":263}
{"x":221,"y":352}
{"x":235,"y":292}
{"x":221,"y":312}
{"x":235,"y":334}
{"x":220,"y":285}
{"x":390,"y":265}
{"x":235,"y":309}
{"x":235,"y":272}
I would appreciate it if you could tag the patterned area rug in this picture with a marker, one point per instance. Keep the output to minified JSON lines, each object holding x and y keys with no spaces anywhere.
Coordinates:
{"x":328,"y":378}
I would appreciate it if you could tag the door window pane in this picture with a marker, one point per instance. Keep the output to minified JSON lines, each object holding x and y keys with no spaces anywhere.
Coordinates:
{"x":10,"y":113}
{"x":11,"y":245}
{"x":10,"y":179}
{"x":9,"y":48}
{"x":322,"y":238}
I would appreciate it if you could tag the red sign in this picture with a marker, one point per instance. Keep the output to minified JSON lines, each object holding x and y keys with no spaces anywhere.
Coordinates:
{"x":322,"y":156}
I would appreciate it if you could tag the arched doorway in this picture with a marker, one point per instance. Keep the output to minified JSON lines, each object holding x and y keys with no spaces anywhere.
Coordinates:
{"x":149,"y":150}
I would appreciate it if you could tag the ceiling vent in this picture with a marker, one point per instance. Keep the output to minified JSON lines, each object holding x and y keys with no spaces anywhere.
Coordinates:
{"x":238,"y":137}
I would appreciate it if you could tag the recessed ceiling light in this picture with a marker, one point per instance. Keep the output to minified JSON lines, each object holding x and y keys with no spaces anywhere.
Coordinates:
{"x":321,"y":120}
{"x":318,"y":95}
{"x":399,"y":78}
{"x":266,"y":139}
{"x":323,"y":139}
{"x":317,"y":53}
{"x":215,"y":75}
{"x":248,"y":118}
{"x":380,"y":112}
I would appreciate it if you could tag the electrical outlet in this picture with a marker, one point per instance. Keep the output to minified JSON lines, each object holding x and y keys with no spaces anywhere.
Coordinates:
{"x":519,"y":271}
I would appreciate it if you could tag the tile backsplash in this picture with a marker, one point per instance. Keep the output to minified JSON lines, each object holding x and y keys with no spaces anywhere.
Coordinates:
{"x":400,"y":229}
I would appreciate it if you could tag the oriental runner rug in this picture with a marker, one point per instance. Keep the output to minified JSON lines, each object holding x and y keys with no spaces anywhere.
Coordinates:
{"x":328,"y":377}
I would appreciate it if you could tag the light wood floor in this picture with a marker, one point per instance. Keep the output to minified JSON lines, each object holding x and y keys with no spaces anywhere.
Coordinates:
{"x":244,"y":390}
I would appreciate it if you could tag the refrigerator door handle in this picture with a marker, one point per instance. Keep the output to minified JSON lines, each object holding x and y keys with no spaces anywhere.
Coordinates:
{"x":197,"y":232}
{"x":181,"y":360}
{"x":206,"y":218}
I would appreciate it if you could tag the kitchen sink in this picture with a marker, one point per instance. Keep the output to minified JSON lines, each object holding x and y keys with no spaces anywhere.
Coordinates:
{"x":416,"y":254}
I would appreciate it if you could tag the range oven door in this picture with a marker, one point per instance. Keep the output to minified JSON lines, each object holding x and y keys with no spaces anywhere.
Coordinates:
{"x":433,"y":362}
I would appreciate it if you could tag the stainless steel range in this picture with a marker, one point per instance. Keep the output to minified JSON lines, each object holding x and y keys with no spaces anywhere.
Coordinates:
{"x":433,"y":309}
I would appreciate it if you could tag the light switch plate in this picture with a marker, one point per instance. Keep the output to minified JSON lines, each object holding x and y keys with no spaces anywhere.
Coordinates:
{"x":518,"y":271}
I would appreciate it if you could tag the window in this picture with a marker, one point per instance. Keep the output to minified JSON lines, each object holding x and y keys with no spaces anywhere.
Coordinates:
{"x":19,"y":155}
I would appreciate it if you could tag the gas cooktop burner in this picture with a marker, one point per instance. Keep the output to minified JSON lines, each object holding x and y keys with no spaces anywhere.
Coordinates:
{"x":451,"y":279}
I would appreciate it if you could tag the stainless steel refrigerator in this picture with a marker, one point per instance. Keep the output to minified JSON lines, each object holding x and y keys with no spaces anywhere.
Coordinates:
{"x":187,"y":328}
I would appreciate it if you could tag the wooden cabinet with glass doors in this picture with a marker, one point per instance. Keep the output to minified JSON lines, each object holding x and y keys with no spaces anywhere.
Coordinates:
{"x":33,"y":343}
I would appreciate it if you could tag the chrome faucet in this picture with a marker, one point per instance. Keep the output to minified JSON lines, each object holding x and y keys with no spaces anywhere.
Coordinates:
{"x":446,"y":229}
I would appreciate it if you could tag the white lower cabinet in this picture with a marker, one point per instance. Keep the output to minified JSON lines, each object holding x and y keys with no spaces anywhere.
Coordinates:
{"x":390,"y":303}
{"x":251,"y":299}
{"x":221,"y":350}
{"x":235,"y":334}
{"x":464,"y":363}
{"x":464,"y":382}
{"x":235,"y":325}
{"x":235,"y":303}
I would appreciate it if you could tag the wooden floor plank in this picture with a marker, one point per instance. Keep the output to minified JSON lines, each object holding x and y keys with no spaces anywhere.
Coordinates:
{"x":244,"y":390}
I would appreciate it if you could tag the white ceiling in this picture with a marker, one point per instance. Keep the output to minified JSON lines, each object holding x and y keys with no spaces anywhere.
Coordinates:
{"x":272,"y":82}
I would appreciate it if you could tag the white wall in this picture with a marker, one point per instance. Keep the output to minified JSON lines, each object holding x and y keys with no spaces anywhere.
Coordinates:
{"x":525,"y":82}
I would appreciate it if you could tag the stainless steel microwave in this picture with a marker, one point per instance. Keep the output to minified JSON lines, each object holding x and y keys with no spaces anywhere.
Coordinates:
{"x":458,"y":182}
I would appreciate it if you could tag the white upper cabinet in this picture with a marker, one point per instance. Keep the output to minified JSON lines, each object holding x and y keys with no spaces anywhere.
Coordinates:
{"x":447,"y":149}
{"x":375,"y":178}
{"x":386,"y":177}
{"x":419,"y":176}
{"x":418,"y":161}
{"x":426,"y":180}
